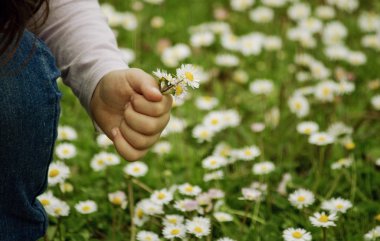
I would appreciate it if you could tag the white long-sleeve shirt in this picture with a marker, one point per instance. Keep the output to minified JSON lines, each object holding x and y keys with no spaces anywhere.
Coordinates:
{"x":85,"y":48}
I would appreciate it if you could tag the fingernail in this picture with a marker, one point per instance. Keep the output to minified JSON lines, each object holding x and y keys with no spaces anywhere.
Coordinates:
{"x":156,"y":91}
{"x":114,"y":132}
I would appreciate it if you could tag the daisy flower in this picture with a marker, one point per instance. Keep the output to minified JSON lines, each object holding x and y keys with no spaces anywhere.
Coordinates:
{"x":307,"y":127}
{"x":162,"y":147}
{"x":217,"y":175}
{"x":136,"y":169}
{"x":373,"y":234}
{"x":189,"y":74}
{"x":261,"y":87}
{"x":299,"y":105}
{"x":198,"y":226}
{"x":296,"y":234}
{"x":341,"y":163}
{"x":336,"y":205}
{"x":321,"y":139}
{"x":190,"y":190}
{"x":58,"y":172}
{"x":151,"y":208}
{"x":65,"y":151}
{"x":223,"y":217}
{"x":118,"y":198}
{"x":161,"y":197}
{"x":323,"y":220}
{"x":58,"y":208}
{"x":206,"y":102}
{"x":46,"y":199}
{"x":186,"y":205}
{"x":301,"y":198}
{"x":174,"y":231}
{"x":103,"y":141}
{"x":248,"y":153}
{"x":251,"y":194}
{"x":173,"y":220}
{"x":147,"y":236}
{"x":375,"y":101}
{"x":225,"y":239}
{"x":86,"y":207}
{"x":66,"y":133}
{"x":214,"y":162}
{"x":263,"y":168}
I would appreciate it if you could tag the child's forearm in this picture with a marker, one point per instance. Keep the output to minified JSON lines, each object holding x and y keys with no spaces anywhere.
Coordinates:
{"x":85,"y":48}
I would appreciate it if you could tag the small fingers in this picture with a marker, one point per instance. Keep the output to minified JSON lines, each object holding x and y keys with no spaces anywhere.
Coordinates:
{"x":124,"y":148}
{"x":137,"y":140}
{"x":155,"y":109}
{"x":144,"y":124}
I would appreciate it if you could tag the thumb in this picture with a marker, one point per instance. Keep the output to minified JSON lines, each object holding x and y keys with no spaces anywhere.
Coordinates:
{"x":144,"y":84}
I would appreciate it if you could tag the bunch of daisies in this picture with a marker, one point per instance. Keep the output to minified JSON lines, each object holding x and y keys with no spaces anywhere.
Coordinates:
{"x":186,"y":76}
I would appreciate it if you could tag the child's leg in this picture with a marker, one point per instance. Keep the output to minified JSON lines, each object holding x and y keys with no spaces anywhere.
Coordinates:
{"x":29,"y":112}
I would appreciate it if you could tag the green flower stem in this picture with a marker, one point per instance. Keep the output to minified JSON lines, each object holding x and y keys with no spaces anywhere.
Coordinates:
{"x":324,"y":230}
{"x":142,"y":185}
{"x":131,"y":209}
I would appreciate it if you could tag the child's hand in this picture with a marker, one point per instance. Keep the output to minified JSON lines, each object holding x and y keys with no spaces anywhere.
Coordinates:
{"x":128,"y":106}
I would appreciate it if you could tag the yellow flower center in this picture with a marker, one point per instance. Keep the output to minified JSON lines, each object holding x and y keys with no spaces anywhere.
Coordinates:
{"x":214,"y":121}
{"x":307,"y":131}
{"x":172,"y":221}
{"x":297,"y":234}
{"x":339,"y":206}
{"x":161,"y":196}
{"x":198,"y":229}
{"x":136,"y":169}
{"x":101,"y":162}
{"x":140,"y":213}
{"x":189,"y":189}
{"x":54,"y":173}
{"x":174,"y":232}
{"x":66,"y":151}
{"x":58,"y":211}
{"x":189,"y":76}
{"x":326,"y":91}
{"x":45,"y":202}
{"x":247,"y":152}
{"x":350,"y":145}
{"x":301,"y":199}
{"x":298,"y":105}
{"x":321,"y":139}
{"x":213,"y":162}
{"x":323,"y":218}
{"x":86,"y":208}
{"x":204,"y":134}
{"x":117,"y":200}
{"x":178,"y":90}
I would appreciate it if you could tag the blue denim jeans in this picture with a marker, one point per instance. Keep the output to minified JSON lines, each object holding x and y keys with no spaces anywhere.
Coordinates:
{"x":29,"y":113}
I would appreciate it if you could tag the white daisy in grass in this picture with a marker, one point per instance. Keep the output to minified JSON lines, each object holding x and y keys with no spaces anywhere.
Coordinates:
{"x":373,"y":234}
{"x":261,"y":15}
{"x":180,"y":92}
{"x":227,"y":60}
{"x":198,"y":226}
{"x":248,"y":153}
{"x":261,"y":87}
{"x":241,"y":5}
{"x":58,"y":172}
{"x":274,"y":3}
{"x":222,"y":149}
{"x":252,"y":194}
{"x":151,"y":208}
{"x":136,"y":169}
{"x":103,"y":141}
{"x":323,"y":220}
{"x":342,"y":163}
{"x":186,"y":205}
{"x":223,"y":217}
{"x":161,"y":197}
{"x":147,"y":236}
{"x":301,"y":198}
{"x":103,"y":159}
{"x":225,"y":239}
{"x":336,"y":205}
{"x":299,"y":105}
{"x":215,"y":193}
{"x":46,"y":199}
{"x":214,"y":162}
{"x":206,"y":102}
{"x":86,"y":207}
{"x":377,"y":162}
{"x":58,"y":208}
{"x":299,"y":11}
{"x":65,"y":151}
{"x":263,"y":168}
{"x":189,"y":74}
{"x":231,"y":118}
{"x":190,"y":190}
{"x":307,"y":127}
{"x":321,"y":139}
{"x":200,"y":39}
{"x":174,"y":231}
{"x":325,"y":12}
{"x":66,"y":187}
{"x":118,"y":198}
{"x":175,"y":125}
{"x":202,"y":133}
{"x":162,"y":147}
{"x":375,"y":101}
{"x":217,"y":175}
{"x":162,"y":74}
{"x":66,"y":133}
{"x":296,"y":234}
{"x":173,"y":220}
{"x":215,"y":121}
